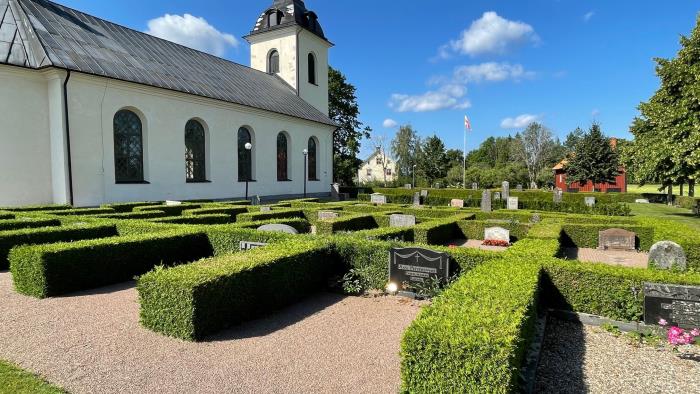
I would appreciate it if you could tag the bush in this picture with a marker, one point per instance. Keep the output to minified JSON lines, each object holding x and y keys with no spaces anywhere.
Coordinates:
{"x":170,"y":210}
{"x":10,"y":239}
{"x":54,"y":269}
{"x":475,"y":229}
{"x":346,"y":223}
{"x":687,"y":237}
{"x":301,"y":225}
{"x":201,"y":219}
{"x":35,"y":208}
{"x":586,"y":235}
{"x":80,"y":212}
{"x":18,"y":224}
{"x":280,"y":214}
{"x":125,"y":207}
{"x":6,"y":216}
{"x":233,"y":211}
{"x":436,"y":232}
{"x":132,"y":215}
{"x":195,"y":300}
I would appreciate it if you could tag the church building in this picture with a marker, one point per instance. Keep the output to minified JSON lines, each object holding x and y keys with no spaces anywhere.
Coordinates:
{"x":92,"y":112}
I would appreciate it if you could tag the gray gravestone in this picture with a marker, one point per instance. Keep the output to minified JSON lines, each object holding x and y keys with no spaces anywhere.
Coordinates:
{"x":408,"y":186}
{"x":505,"y":190}
{"x":335,"y":192}
{"x":497,"y":196}
{"x":536,"y":218}
{"x":616,"y":239}
{"x":519,"y":188}
{"x":416,"y":199}
{"x":249,"y":245}
{"x":678,"y":305}
{"x":513,"y":203}
{"x":256,"y":200}
{"x":402,"y":220}
{"x":486,"y":201}
{"x":265,"y":209}
{"x":475,"y":186}
{"x":279,"y":228}
{"x":377,"y":198}
{"x":457,"y":203}
{"x":590,"y":201}
{"x":497,"y":234}
{"x":558,"y":196}
{"x":327,"y":215}
{"x":666,"y":255}
{"x":424,"y":193}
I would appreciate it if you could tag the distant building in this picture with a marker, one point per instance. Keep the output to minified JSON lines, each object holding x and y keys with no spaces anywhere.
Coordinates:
{"x":374,"y":168}
{"x":619,"y":186}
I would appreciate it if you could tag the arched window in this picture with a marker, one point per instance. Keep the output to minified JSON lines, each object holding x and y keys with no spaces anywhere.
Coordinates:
{"x":128,"y":147}
{"x":312,"y":69}
{"x":282,"y":174}
{"x":313,"y":176}
{"x":273,"y":65}
{"x":245,"y":156}
{"x":195,"y":152}
{"x":274,"y":18}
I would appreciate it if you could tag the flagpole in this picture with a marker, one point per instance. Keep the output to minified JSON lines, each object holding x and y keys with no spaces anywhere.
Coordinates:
{"x":464,"y":159}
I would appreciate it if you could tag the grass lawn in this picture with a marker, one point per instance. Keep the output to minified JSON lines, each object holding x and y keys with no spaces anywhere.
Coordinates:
{"x":655,"y":189}
{"x":661,"y":211}
{"x":17,"y":381}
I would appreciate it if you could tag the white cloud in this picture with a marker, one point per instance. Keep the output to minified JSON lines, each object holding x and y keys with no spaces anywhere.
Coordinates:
{"x":595,"y":112}
{"x":193,"y":32}
{"x":520,"y":121}
{"x":390,"y":123}
{"x":492,"y":34}
{"x":587,"y":17}
{"x":491,"y":72}
{"x":450,"y":96}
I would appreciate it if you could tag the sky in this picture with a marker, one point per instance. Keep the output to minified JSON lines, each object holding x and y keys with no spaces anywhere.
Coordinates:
{"x":503,"y":63}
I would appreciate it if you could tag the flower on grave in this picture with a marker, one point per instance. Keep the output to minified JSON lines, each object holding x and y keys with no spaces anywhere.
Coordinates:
{"x":678,"y":337}
{"x":695,"y":332}
{"x":663,"y":322}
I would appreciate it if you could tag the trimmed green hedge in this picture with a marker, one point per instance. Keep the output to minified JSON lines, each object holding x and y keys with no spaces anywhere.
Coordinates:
{"x":231,"y":211}
{"x":475,"y":335}
{"x":10,"y":239}
{"x":195,"y":300}
{"x":201,"y":219}
{"x":54,"y":269}
{"x":301,"y":225}
{"x":436,"y":232}
{"x":345,"y":223}
{"x":6,"y":216}
{"x":279,"y":214}
{"x":586,"y":235}
{"x":36,"y":208}
{"x":18,"y":224}
{"x":80,"y":212}
{"x":125,"y":207}
{"x":687,"y":237}
{"x":474,"y":229}
{"x":170,"y":210}
{"x":132,"y":215}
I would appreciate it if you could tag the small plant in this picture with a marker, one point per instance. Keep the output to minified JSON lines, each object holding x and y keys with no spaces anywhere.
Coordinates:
{"x":495,"y":242}
{"x":615,"y":330}
{"x":679,"y":337}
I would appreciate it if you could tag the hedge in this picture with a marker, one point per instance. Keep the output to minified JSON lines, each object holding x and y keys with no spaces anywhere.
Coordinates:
{"x":6,"y":216}
{"x":35,"y":208}
{"x":687,"y":237}
{"x":54,"y":269}
{"x":80,"y":212}
{"x":436,"y":232}
{"x":475,"y":229}
{"x":586,"y":235}
{"x":474,"y":337}
{"x":132,"y":215}
{"x":195,"y":300}
{"x":233,"y":211}
{"x":346,"y":223}
{"x":280,"y":214}
{"x":201,"y":219}
{"x":125,"y":207}
{"x":10,"y":239}
{"x":18,"y":224}
{"x":301,"y":225}
{"x":170,"y":210}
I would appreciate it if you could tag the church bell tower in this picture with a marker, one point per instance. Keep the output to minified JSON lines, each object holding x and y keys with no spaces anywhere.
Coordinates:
{"x":288,"y":41}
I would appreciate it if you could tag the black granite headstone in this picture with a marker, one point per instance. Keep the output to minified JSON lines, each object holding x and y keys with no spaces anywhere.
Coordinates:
{"x":410,"y":267}
{"x":678,"y":305}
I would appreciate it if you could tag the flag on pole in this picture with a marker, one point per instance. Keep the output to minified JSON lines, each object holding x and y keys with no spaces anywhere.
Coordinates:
{"x":467,"y":123}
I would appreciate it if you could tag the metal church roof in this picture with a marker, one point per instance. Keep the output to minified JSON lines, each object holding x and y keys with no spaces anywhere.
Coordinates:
{"x":39,"y":33}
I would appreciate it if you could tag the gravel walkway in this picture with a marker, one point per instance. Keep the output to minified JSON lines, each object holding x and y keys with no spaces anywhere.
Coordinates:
{"x":92,"y":343}
{"x":585,"y":359}
{"x":610,"y":257}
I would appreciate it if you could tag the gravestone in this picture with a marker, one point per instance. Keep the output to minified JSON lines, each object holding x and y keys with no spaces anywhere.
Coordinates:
{"x":249,"y":245}
{"x":486,"y":201}
{"x":505,"y":190}
{"x":457,"y":203}
{"x":256,"y":200}
{"x":279,"y":228}
{"x":377,"y":198}
{"x":497,"y":196}
{"x":475,"y":186}
{"x":616,"y":239}
{"x":641,"y":201}
{"x":173,"y":203}
{"x":416,"y":199}
{"x":678,"y":305}
{"x":590,"y":201}
{"x":424,"y":193}
{"x":408,"y":186}
{"x":536,"y":218}
{"x":402,"y":220}
{"x":519,"y":187}
{"x":667,"y":255}
{"x":412,"y":267}
{"x":327,"y":215}
{"x":335,"y":192}
{"x":265,"y":209}
{"x":513,"y":203}
{"x":558,"y":196}
{"x":497,"y":234}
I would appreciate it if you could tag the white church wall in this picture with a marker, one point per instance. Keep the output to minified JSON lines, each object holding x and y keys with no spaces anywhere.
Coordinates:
{"x":94,"y":101}
{"x":284,"y":41}
{"x":25,"y":152}
{"x":316,"y":95}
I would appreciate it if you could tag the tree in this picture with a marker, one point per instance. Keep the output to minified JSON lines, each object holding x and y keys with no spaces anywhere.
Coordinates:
{"x":572,"y":139}
{"x":455,"y":158}
{"x":594,"y":159}
{"x":344,"y":110}
{"x":403,"y":147}
{"x":666,"y":148}
{"x":432,"y":160}
{"x":532,"y":147}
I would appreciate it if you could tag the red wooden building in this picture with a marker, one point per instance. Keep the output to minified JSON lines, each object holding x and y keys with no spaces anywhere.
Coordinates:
{"x":560,"y":181}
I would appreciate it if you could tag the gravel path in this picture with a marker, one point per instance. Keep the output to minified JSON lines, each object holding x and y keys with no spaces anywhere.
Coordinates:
{"x":92,"y":343}
{"x":585,"y":359}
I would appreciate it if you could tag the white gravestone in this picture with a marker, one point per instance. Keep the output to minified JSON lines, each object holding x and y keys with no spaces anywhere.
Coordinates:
{"x":641,"y":201}
{"x":497,"y":234}
{"x":513,"y":203}
{"x":377,"y":198}
{"x":402,"y":221}
{"x":456,"y":203}
{"x":326,"y":215}
{"x":590,"y":201}
{"x":173,"y":203}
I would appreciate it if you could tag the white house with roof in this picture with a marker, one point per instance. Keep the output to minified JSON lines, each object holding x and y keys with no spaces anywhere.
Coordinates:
{"x":92,"y":112}
{"x":379,"y":167}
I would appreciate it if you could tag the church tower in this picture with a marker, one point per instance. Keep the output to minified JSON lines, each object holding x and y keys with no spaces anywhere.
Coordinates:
{"x":288,"y":41}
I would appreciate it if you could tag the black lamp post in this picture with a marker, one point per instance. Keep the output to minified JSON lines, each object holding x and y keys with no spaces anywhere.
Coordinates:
{"x":306,"y":168}
{"x":249,"y":148}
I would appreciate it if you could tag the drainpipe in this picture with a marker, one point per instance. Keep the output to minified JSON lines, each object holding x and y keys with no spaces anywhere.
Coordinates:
{"x":68,"y":153}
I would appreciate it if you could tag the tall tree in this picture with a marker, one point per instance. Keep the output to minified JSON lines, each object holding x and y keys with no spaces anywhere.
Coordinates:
{"x":403,"y":147}
{"x":594,"y":159}
{"x":432,"y":161}
{"x":344,"y":110}
{"x":532,"y":147}
{"x":572,"y":139}
{"x":666,"y":148}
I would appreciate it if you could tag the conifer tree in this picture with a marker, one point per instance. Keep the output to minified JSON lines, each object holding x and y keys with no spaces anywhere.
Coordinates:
{"x":594,"y":159}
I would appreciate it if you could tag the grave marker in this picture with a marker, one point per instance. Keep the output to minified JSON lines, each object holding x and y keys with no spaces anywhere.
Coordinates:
{"x":279,"y":228}
{"x":678,"y":305}
{"x":327,"y":215}
{"x":249,"y":245}
{"x":457,"y":203}
{"x":590,"y":201}
{"x":475,"y":186}
{"x":173,"y":203}
{"x":265,"y":209}
{"x":616,"y":239}
{"x":377,"y":198}
{"x":416,"y":199}
{"x":513,"y":203}
{"x":402,"y":220}
{"x":497,"y":234}
{"x":412,"y":267}
{"x":558,"y":196}
{"x":424,"y":193}
{"x":408,"y":186}
{"x":519,"y":187}
{"x":497,"y":196}
{"x":667,"y":255}
{"x":505,"y":190}
{"x":486,"y":201}
{"x":335,"y":192}
{"x":641,"y":201}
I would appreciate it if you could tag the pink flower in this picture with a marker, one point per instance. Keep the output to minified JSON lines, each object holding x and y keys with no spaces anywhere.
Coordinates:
{"x":663,"y":322}
{"x":695,"y":332}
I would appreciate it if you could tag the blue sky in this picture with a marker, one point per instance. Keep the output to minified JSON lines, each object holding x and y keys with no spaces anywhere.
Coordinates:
{"x":503,"y":63}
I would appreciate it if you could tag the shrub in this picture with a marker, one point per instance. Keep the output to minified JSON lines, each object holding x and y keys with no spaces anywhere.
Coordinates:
{"x":232,"y":211}
{"x":436,"y":232}
{"x":18,"y":224}
{"x":132,"y":215}
{"x":10,"y":239}
{"x":687,"y":237}
{"x":280,"y":214}
{"x":385,"y":234}
{"x":125,"y":207}
{"x":586,"y":235}
{"x":347,"y":223}
{"x":195,"y":300}
{"x":170,"y":210}
{"x":80,"y":212}
{"x":6,"y":216}
{"x":475,"y":229}
{"x":301,"y":225}
{"x":35,"y":208}
{"x":201,"y":219}
{"x":54,"y":269}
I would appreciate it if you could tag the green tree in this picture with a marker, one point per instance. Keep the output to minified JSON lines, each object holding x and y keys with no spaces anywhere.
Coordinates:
{"x":572,"y":139}
{"x":455,"y":158}
{"x":532,"y":149}
{"x":344,"y":110}
{"x":594,"y":159}
{"x":432,"y":160}
{"x":403,"y":147}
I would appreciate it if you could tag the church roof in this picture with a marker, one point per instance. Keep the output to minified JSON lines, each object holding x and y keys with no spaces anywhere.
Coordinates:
{"x":293,"y":12}
{"x":39,"y":33}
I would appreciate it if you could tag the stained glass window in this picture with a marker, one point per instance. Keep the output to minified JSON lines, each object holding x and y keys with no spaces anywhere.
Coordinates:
{"x":245,"y":162}
{"x":282,"y":174}
{"x":128,"y":147}
{"x":313,"y":176}
{"x":195,"y":152}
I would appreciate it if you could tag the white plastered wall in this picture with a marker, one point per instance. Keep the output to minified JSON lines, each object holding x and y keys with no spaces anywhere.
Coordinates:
{"x":284,"y":41}
{"x":316,"y":95}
